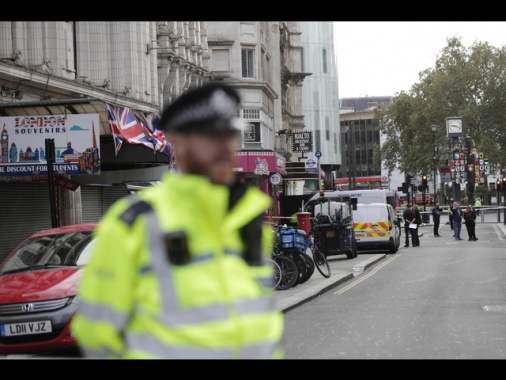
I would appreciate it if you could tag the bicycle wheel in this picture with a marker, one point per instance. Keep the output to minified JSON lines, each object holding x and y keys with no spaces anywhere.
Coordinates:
{"x":277,"y":273}
{"x":320,"y":261}
{"x":289,"y":272}
{"x":305,"y":265}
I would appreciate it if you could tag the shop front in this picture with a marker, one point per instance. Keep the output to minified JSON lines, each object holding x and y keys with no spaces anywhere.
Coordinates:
{"x":258,"y":167}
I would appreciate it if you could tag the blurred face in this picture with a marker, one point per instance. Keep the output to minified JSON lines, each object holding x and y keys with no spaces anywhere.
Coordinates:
{"x":210,"y":154}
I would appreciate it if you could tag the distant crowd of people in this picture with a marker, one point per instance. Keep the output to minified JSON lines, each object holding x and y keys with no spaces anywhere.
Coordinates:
{"x":457,"y":217}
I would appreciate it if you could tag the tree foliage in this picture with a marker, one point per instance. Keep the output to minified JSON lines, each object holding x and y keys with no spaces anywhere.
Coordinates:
{"x":465,"y":82}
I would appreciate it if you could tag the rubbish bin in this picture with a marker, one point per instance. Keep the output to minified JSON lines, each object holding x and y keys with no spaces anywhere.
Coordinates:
{"x":425,"y":218}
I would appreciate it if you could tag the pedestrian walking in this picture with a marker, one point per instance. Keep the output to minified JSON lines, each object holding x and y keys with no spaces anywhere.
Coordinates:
{"x":418,"y":221}
{"x":457,"y":220}
{"x":409,"y":217}
{"x":180,"y":270}
{"x":436,"y":217}
{"x":470,"y":222}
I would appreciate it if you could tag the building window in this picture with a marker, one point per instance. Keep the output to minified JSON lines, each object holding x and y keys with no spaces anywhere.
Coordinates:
{"x":251,"y":131}
{"x":302,"y":66}
{"x":247,"y":63}
{"x":251,"y":114}
{"x":324,"y":57}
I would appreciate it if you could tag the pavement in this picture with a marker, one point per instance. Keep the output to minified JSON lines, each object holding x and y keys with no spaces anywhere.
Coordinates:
{"x":342,"y":270}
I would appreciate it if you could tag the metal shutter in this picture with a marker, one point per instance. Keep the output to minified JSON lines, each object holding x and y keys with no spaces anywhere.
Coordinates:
{"x":96,"y":200}
{"x":112,"y":194}
{"x":24,"y":209}
{"x":91,"y":203}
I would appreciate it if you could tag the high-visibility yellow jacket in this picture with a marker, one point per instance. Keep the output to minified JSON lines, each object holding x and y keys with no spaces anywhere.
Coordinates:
{"x":143,"y":295}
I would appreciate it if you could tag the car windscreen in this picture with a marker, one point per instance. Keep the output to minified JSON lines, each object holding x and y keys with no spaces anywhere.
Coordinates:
{"x":58,"y":249}
{"x":370,"y":214}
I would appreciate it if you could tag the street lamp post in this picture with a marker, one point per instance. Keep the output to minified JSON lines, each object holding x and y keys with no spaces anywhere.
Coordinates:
{"x":504,"y":196}
{"x":498,"y":189}
{"x":433,"y":128}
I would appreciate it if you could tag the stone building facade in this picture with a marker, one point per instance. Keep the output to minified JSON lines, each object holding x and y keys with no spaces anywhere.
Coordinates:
{"x":60,"y":67}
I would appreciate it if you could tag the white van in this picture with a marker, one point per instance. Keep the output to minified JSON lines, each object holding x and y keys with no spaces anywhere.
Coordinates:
{"x":375,"y":228}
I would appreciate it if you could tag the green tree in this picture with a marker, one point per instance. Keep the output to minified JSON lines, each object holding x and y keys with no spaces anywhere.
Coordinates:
{"x":465,"y":82}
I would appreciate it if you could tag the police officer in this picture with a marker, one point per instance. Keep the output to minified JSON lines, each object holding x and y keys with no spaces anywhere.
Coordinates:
{"x":409,"y":217}
{"x":179,"y":270}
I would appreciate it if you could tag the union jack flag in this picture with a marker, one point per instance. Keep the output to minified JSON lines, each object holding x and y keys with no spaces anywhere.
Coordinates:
{"x":135,"y":128}
{"x":150,"y":123}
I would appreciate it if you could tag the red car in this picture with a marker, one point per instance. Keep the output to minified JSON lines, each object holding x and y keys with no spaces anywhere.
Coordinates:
{"x":38,"y":286}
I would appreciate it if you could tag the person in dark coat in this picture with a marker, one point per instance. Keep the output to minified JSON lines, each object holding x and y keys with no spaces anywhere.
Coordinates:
{"x":436,"y":218}
{"x":470,"y":222}
{"x":418,"y":221}
{"x":409,"y":217}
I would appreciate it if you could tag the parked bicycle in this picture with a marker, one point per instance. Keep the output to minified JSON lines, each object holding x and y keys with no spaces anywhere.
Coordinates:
{"x":289,"y":273}
{"x":293,"y":243}
{"x":295,"y":252}
{"x":277,"y":273}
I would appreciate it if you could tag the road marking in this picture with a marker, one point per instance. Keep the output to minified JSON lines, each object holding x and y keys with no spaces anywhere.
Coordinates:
{"x":498,"y":231}
{"x":391,"y":258}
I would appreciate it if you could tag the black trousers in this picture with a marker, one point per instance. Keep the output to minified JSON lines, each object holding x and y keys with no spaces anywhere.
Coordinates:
{"x":436,"y":226}
{"x":414,"y":236}
{"x":471,"y":228}
{"x":407,"y":234}
{"x":413,"y":233}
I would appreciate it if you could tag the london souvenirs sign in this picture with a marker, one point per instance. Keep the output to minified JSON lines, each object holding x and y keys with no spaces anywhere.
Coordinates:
{"x":76,"y":141}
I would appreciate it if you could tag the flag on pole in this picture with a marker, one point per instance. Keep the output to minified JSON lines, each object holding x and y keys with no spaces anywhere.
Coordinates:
{"x":135,"y":128}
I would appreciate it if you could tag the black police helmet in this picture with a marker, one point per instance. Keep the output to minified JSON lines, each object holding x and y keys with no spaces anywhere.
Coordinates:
{"x":211,"y":107}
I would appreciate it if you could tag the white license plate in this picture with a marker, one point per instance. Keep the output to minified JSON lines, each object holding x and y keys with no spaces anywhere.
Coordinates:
{"x":27,"y":328}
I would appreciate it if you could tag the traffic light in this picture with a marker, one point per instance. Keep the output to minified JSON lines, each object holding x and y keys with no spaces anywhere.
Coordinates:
{"x":424,"y":182}
{"x":498,"y":185}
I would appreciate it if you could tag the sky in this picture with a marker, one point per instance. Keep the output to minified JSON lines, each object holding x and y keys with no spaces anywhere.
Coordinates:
{"x":378,"y":58}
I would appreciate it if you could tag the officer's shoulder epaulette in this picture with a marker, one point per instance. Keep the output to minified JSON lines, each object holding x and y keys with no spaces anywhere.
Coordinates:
{"x":136,"y":208}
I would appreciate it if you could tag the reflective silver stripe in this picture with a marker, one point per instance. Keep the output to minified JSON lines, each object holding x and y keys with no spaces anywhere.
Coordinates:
{"x":153,"y":346}
{"x":103,"y":312}
{"x":259,"y":351}
{"x":256,"y":305}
